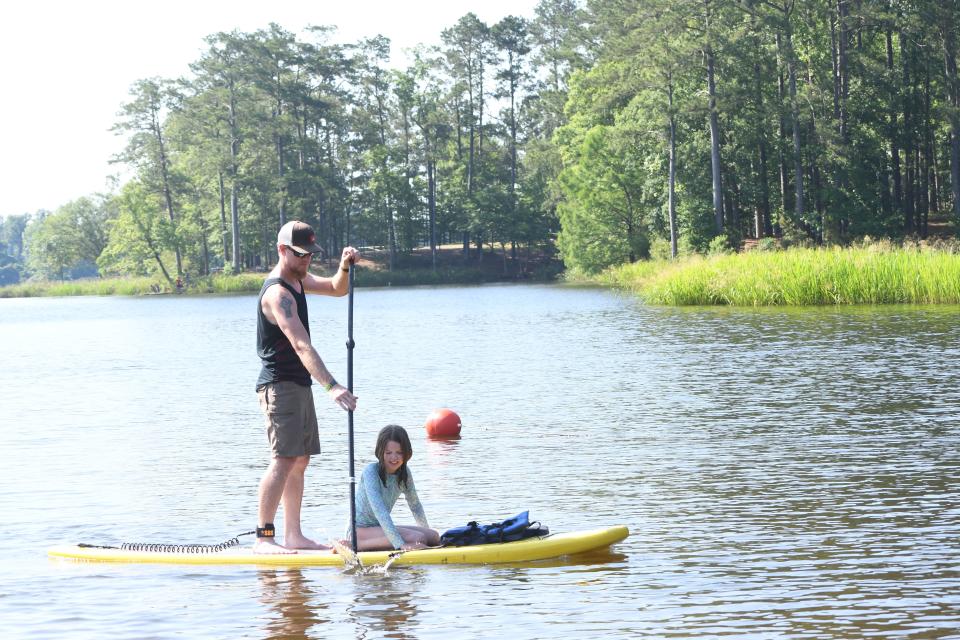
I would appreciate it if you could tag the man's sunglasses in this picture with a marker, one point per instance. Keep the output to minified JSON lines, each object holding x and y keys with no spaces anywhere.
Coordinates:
{"x":299,"y":254}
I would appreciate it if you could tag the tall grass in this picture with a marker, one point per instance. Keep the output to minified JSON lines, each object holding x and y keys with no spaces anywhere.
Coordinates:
{"x":136,"y":286}
{"x":85,"y":287}
{"x":878,"y":274}
{"x":227,"y":283}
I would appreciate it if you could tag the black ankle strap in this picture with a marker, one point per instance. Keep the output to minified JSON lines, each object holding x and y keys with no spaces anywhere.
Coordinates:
{"x":266,"y":531}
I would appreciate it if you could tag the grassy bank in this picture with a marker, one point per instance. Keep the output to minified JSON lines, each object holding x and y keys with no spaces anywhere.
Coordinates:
{"x":241,"y":283}
{"x":85,"y":287}
{"x":878,"y":274}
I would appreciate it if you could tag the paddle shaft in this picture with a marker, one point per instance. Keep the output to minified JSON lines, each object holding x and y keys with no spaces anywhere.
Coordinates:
{"x":353,"y":480}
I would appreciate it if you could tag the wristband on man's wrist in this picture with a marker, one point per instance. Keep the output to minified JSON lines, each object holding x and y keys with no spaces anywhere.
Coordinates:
{"x":345,"y":270}
{"x":330,"y":385}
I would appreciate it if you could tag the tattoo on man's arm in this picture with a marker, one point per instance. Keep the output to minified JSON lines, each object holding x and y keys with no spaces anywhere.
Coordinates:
{"x":287,"y":305}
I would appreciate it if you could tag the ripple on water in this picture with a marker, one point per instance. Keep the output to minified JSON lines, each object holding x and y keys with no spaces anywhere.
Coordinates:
{"x":784,"y":473}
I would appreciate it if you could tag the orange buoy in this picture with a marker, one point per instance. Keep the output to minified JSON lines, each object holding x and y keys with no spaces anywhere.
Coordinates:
{"x":443,"y":423}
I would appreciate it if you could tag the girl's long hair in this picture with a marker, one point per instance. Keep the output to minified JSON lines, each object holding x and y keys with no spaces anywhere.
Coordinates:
{"x":393,"y":433}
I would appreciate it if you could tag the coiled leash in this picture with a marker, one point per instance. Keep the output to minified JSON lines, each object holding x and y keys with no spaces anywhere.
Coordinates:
{"x":183,"y":548}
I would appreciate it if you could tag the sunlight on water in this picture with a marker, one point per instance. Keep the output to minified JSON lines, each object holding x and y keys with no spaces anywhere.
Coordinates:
{"x":783,"y":472}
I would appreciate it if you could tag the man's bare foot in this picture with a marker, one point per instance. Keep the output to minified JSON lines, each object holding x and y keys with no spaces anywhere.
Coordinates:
{"x":302,"y":542}
{"x":266,"y":546}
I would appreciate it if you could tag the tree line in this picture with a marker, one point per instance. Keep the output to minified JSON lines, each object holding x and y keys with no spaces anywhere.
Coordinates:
{"x":700,"y":123}
{"x":612,"y":130}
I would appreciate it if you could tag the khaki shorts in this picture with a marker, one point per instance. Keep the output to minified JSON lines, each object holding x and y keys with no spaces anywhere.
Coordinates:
{"x":291,"y":419}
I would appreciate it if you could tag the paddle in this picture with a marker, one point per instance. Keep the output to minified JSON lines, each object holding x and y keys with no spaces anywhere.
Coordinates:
{"x":350,"y":345}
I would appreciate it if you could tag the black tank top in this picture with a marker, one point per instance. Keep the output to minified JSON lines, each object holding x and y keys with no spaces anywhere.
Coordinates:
{"x":280,"y":360}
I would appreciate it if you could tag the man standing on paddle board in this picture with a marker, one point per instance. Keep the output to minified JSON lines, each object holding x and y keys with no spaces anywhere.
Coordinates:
{"x":284,"y":386}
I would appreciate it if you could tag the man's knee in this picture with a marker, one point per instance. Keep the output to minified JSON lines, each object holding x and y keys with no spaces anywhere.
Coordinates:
{"x":286,"y":464}
{"x":292,"y":464}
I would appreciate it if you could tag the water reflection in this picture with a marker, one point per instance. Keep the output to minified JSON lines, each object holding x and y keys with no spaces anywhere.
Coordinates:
{"x":297,"y":606}
{"x":442,"y":451}
{"x":603,"y":560}
{"x":385,"y":606}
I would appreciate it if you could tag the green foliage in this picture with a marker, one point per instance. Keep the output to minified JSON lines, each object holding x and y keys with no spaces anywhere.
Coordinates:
{"x":720,"y":245}
{"x":69,"y":240}
{"x":660,"y":249}
{"x":12,"y":265}
{"x":630,"y":276}
{"x":12,"y":230}
{"x":138,"y":237}
{"x":603,"y":217}
{"x":10,"y":271}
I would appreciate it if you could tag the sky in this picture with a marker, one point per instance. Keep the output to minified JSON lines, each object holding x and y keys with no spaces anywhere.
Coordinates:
{"x":66,"y":68}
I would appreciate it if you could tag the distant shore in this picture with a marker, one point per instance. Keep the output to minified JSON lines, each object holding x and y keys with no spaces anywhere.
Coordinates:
{"x":371,"y":272}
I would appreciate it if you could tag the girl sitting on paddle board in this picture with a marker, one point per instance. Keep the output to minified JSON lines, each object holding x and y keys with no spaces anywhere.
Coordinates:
{"x":381,"y":483}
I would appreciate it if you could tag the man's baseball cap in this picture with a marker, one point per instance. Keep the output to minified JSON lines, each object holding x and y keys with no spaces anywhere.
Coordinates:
{"x":300,"y":236}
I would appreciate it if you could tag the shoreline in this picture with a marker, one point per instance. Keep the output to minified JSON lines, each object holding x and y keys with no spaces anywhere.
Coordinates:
{"x":250,"y":282}
{"x":878,"y":273}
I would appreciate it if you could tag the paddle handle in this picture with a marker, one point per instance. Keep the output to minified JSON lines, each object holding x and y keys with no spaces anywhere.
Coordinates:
{"x":353,"y":480}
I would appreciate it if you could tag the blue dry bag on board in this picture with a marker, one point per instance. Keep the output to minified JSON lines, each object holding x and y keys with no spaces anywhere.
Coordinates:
{"x":518,"y":527}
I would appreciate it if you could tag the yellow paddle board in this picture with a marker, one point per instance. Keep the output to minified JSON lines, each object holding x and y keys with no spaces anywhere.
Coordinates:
{"x":550,"y":546}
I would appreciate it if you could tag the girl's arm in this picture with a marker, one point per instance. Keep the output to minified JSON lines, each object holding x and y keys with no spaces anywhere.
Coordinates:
{"x":374,"y":490}
{"x":413,"y":501}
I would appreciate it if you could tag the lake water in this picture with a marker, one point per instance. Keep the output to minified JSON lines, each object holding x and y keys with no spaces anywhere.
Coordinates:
{"x":784,"y":473}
